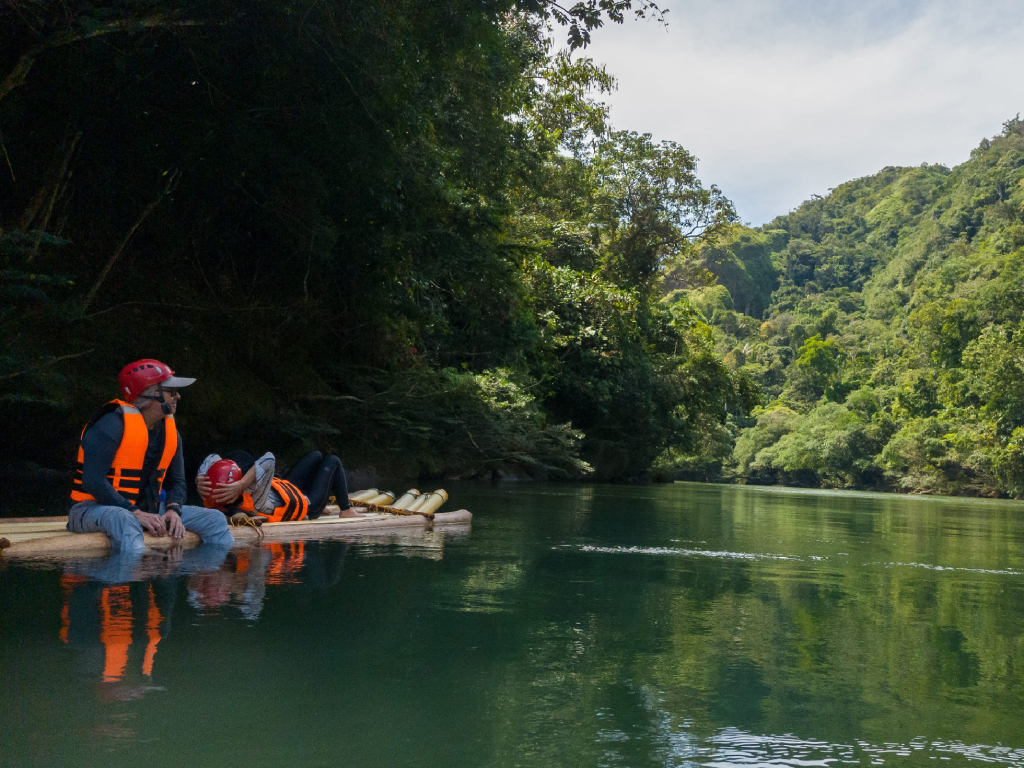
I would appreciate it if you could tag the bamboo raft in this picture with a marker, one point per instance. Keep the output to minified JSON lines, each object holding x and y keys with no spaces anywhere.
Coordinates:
{"x":46,"y":536}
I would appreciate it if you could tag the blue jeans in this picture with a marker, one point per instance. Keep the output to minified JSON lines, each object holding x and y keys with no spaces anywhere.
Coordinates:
{"x":125,"y":531}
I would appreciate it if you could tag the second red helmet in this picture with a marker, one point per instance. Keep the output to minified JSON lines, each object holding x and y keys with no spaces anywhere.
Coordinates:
{"x":221,"y":473}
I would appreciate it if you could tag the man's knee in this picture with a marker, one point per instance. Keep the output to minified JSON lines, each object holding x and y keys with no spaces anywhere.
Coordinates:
{"x":89,"y":517}
{"x":121,"y":517}
{"x":122,"y":527}
{"x":210,"y":524}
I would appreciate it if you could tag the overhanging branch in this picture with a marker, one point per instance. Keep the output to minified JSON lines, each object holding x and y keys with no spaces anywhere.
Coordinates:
{"x":16,"y":77}
{"x":171,"y":182}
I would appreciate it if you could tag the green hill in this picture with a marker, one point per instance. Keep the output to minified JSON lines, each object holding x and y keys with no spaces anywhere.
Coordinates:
{"x":891,"y":348}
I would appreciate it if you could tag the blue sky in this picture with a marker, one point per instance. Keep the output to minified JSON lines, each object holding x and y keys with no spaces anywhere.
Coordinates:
{"x":782,"y":99}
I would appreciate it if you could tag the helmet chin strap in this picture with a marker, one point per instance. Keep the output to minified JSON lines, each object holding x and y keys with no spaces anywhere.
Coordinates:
{"x":164,"y":405}
{"x":159,"y":396}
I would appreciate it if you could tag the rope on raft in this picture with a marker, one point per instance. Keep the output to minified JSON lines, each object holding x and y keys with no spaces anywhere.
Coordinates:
{"x":253,"y":521}
{"x":389,"y":510}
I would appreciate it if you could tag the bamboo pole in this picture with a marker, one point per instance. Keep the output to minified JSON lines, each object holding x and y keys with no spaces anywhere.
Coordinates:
{"x":406,"y":499}
{"x":414,"y":507}
{"x":51,"y":524}
{"x":74,"y":543}
{"x":380,"y":500}
{"x":58,"y":543}
{"x":433,"y":502}
{"x":40,"y":519}
{"x":26,"y":535}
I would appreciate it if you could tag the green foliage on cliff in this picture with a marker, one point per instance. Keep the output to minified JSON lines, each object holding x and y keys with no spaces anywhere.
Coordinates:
{"x":891,"y":353}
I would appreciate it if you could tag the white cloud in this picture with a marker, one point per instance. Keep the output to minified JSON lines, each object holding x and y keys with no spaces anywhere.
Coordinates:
{"x":781,"y":100}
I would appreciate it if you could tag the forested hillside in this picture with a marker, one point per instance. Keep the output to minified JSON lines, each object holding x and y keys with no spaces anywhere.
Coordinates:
{"x":407,"y":233}
{"x":884,"y":326}
{"x":401,"y":231}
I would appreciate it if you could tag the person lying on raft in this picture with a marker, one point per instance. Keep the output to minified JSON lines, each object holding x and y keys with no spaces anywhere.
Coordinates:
{"x":301,"y":495}
{"x":130,"y":454}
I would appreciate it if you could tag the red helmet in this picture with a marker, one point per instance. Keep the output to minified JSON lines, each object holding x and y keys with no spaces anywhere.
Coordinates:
{"x":221,"y":473}
{"x":135,"y":377}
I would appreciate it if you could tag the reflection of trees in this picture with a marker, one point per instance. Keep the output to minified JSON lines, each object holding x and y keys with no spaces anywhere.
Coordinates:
{"x":869,"y":640}
{"x":857,"y":642}
{"x":522,"y":648}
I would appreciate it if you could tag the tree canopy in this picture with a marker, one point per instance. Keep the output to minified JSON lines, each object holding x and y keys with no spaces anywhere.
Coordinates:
{"x":407,"y":232}
{"x":402,"y":231}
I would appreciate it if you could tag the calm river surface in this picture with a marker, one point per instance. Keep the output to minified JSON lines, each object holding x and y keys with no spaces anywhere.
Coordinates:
{"x":570,"y":626}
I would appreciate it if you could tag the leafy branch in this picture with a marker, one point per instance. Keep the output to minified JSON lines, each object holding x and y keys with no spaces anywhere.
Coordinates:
{"x":17,"y":76}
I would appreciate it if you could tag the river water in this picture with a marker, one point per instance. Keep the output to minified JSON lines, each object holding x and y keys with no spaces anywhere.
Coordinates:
{"x":670,"y":625}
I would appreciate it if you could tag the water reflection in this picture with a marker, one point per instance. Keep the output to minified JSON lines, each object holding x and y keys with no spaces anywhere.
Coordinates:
{"x":695,"y":625}
{"x":242,"y":580}
{"x":114,"y":630}
{"x":116,"y":609}
{"x":123,"y":567}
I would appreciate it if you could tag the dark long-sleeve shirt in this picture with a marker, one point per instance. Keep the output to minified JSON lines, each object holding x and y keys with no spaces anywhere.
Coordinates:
{"x":100,"y":443}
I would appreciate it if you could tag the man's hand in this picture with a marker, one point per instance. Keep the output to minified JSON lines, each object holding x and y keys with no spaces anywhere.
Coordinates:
{"x":227,"y":493}
{"x":174,"y":525}
{"x":152,"y":523}
{"x":204,"y":486}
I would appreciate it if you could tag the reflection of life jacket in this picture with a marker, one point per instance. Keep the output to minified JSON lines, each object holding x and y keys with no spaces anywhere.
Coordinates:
{"x":241,"y":560}
{"x":116,"y":618}
{"x":125,"y":474}
{"x":295,"y":506}
{"x":68,"y":583}
{"x":285,"y":562}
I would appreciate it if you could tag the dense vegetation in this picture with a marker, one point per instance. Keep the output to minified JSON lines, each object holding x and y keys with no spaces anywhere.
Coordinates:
{"x":884,"y":325}
{"x":407,"y":233}
{"x":403,"y":231}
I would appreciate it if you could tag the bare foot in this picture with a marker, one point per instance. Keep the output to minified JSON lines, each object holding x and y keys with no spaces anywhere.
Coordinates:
{"x":353,"y":512}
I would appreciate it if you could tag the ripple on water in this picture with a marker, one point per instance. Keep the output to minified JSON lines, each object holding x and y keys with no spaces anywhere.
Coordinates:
{"x":930,"y":567}
{"x":734,"y":747}
{"x":726,"y":555}
{"x":685,"y":553}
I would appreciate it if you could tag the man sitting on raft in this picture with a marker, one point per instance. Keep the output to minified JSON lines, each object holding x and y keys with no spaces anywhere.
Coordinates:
{"x":301,"y":495}
{"x":130,"y":474}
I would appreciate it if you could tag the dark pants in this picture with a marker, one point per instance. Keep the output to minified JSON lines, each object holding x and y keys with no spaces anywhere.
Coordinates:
{"x":319,"y":477}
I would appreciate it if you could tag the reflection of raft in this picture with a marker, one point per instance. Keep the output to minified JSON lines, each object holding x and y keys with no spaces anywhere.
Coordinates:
{"x":42,"y":536}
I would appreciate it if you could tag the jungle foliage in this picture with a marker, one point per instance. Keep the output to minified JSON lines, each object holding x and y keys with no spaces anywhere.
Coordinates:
{"x":889,"y":347}
{"x":402,"y":231}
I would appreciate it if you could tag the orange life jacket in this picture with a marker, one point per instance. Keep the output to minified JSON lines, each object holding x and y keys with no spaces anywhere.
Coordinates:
{"x":294,"y":507}
{"x":125,"y":474}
